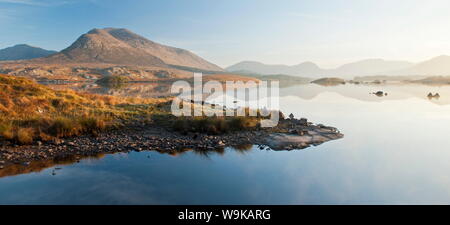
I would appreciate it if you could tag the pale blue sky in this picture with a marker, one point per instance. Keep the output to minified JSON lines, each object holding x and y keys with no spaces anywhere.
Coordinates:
{"x":225,"y":32}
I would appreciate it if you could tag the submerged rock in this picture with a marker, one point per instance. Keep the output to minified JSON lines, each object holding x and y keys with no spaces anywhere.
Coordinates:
{"x":379,"y":93}
{"x":431,"y":96}
{"x":303,"y":122}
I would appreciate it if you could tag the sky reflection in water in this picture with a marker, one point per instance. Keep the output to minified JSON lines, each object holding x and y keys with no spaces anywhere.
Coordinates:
{"x":395,"y":151}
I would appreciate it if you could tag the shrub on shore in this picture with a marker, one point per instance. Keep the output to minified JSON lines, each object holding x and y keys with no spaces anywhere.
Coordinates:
{"x":25,"y":135}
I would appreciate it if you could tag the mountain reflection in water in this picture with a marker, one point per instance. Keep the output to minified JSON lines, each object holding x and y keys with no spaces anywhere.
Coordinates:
{"x":363,"y":92}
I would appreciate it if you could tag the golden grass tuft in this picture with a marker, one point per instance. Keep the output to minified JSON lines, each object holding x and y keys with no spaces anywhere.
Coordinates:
{"x":25,"y":135}
{"x":6,"y":131}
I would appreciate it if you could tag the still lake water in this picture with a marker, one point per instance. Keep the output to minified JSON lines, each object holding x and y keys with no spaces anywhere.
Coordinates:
{"x":396,"y":150}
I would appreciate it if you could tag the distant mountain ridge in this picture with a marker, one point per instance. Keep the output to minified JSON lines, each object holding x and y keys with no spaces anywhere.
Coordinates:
{"x":370,"y":67}
{"x":437,"y":66}
{"x":309,"y":69}
{"x":302,"y":69}
{"x":122,"y":47}
{"x":23,"y":52}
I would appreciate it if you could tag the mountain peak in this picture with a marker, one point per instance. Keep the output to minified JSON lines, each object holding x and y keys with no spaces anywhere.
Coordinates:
{"x":249,"y":62}
{"x":122,"y":46}
{"x":22,"y":45}
{"x":107,"y":29}
{"x":307,"y":64}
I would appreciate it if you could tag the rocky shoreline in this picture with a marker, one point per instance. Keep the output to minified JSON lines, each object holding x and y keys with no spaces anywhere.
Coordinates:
{"x":148,"y":137}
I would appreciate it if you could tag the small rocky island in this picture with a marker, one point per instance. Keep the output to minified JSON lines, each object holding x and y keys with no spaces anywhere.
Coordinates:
{"x":380,"y":93}
{"x":65,"y":124}
{"x":433,"y":96}
{"x":329,"y":81}
{"x":290,"y":134}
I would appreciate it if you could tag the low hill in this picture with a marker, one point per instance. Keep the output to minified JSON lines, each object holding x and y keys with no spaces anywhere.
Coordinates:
{"x":435,"y":80}
{"x":329,"y":81}
{"x":90,"y":71}
{"x":22,"y":52}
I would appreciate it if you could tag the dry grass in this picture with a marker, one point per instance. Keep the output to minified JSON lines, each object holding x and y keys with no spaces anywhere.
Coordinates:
{"x":30,"y":111}
{"x":250,"y":120}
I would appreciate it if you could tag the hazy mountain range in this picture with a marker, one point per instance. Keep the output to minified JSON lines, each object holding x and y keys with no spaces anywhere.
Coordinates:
{"x":438,"y":66}
{"x":433,"y":67}
{"x":122,"y":47}
{"x":23,"y":51}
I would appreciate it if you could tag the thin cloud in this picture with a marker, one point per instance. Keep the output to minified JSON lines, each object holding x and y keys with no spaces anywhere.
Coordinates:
{"x":21,"y":2}
{"x":320,"y":18}
{"x":35,"y":2}
{"x":5,"y":14}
